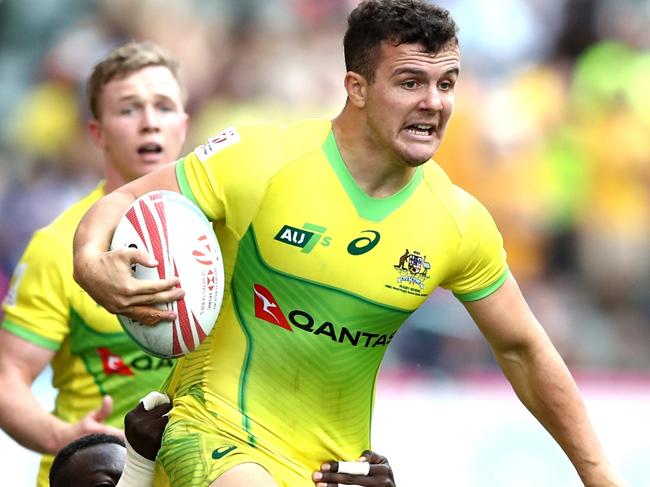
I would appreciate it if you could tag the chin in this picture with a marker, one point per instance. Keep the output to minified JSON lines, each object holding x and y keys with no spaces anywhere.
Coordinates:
{"x":417,"y":154}
{"x":419,"y":158}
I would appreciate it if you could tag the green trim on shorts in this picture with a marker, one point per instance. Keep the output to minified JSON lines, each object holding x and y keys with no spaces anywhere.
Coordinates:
{"x":483,"y":293}
{"x":30,"y":336}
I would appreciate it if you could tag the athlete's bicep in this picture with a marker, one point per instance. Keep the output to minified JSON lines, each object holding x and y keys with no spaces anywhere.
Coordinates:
{"x":21,"y":359}
{"x":505,"y":319}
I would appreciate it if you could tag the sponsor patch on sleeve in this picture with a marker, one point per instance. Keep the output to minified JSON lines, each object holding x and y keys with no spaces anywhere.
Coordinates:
{"x":217,"y":143}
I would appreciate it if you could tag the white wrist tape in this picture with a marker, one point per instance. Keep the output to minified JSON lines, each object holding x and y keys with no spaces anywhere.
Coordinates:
{"x":354,"y":468}
{"x":138,"y":470}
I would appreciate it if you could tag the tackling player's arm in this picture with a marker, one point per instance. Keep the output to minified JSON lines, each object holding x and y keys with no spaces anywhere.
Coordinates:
{"x":22,"y":416}
{"x":105,"y":275}
{"x":380,"y":474}
{"x":540,"y":379}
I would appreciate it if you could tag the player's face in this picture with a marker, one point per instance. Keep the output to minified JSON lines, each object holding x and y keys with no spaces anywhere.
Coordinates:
{"x":142,"y":124}
{"x":411,"y":100}
{"x":96,"y":466}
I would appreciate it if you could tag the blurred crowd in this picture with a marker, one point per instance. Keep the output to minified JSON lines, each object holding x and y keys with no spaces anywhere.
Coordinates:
{"x":551,"y":132}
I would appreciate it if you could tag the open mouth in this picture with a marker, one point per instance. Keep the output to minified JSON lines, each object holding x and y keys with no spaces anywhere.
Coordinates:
{"x":150,"y":148}
{"x":420,"y":129}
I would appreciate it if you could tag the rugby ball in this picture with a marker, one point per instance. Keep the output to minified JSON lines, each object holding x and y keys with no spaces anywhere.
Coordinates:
{"x":173,"y":230}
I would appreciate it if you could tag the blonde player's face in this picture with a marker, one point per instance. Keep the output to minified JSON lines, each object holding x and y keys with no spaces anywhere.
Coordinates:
{"x":142,"y":122}
{"x":411,"y":100}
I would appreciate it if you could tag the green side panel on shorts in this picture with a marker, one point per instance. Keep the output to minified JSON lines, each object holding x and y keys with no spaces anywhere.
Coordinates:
{"x":373,"y":209}
{"x":183,"y":459}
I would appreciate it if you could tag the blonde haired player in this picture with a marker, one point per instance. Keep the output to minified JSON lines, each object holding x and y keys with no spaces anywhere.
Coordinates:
{"x":139,"y":123}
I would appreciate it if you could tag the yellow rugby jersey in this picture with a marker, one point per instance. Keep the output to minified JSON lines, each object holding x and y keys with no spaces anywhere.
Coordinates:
{"x":45,"y":306}
{"x":319,"y":278}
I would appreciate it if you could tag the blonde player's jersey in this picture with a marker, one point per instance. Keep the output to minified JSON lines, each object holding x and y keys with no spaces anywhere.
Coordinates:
{"x":93,"y":356}
{"x":321,"y":278}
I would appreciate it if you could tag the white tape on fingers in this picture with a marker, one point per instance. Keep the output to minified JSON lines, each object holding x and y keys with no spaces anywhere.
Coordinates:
{"x":354,"y":468}
{"x":153,"y":399}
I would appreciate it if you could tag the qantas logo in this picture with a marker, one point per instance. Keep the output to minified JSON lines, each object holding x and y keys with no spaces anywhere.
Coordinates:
{"x":267,"y":309}
{"x":113,"y":364}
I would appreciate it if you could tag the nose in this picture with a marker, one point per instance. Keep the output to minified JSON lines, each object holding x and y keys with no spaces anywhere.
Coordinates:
{"x":150,"y":122}
{"x":432,"y":100}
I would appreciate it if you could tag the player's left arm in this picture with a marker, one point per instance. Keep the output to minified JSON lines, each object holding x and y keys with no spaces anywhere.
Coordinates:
{"x":541,"y":379}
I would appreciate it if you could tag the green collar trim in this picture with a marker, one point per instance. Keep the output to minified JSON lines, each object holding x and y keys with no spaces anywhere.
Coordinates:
{"x":373,"y":209}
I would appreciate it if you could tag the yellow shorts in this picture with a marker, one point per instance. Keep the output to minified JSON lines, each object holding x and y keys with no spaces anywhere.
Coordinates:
{"x":197,"y":448}
{"x":43,"y":479}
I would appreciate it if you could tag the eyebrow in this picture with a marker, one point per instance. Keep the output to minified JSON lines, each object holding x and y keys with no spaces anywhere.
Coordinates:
{"x":156,"y":97}
{"x":422,"y":72}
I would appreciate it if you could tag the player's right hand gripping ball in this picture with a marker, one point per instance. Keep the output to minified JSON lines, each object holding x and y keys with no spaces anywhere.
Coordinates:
{"x":173,"y":230}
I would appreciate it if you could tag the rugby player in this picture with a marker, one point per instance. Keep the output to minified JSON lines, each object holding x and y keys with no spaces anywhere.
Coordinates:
{"x":139,"y":123}
{"x":314,"y":219}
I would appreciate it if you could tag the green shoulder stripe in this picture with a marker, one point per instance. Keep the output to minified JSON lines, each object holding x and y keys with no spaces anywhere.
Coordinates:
{"x":483,"y":293}
{"x":30,"y":336}
{"x":181,"y":177}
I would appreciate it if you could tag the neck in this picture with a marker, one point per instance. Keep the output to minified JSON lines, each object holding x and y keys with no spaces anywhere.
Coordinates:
{"x":377,"y":171}
{"x":112,"y":177}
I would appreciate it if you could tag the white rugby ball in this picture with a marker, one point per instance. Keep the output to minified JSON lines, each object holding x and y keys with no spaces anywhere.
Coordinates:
{"x":172,"y":229}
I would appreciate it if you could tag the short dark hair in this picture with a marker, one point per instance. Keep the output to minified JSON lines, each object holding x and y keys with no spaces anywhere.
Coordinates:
{"x":397,"y":21}
{"x":123,"y":61}
{"x":66,"y":453}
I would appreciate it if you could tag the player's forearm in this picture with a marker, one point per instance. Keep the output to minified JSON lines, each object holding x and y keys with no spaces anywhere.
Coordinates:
{"x":23,"y":418}
{"x":94,"y":232}
{"x":544,"y":385}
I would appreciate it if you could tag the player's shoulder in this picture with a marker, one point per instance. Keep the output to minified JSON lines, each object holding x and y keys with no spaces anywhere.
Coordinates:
{"x":461,"y":204}
{"x":303,"y":132}
{"x":271,"y":140}
{"x":440,"y":184}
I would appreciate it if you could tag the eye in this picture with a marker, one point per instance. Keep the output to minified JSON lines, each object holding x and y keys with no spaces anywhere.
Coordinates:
{"x":410,"y":84}
{"x":446,"y":85}
{"x":165,"y":107}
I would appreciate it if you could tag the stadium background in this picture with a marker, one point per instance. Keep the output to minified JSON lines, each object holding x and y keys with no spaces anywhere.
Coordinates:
{"x":551,"y":132}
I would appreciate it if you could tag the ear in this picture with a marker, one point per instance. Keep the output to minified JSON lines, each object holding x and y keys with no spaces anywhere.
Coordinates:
{"x":95,"y":131}
{"x":357,"y":88}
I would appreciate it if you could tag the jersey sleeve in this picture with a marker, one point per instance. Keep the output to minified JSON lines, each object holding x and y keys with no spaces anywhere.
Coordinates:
{"x":481,"y":261}
{"x":37,"y":306}
{"x":227,"y":176}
